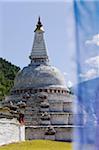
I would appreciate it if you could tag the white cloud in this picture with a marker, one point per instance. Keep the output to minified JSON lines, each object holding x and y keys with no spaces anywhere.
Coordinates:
{"x":69,"y":84}
{"x":94,"y":40}
{"x":93,"y":61}
{"x":65,"y":73}
{"x":89,"y":74}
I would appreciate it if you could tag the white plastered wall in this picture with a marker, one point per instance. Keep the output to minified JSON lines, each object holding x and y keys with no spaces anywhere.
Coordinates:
{"x":11,"y":131}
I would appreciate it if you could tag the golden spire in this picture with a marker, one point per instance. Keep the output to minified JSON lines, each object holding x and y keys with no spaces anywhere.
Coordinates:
{"x":39,"y":25}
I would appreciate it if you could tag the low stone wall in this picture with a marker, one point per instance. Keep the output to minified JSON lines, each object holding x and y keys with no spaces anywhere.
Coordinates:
{"x":37,"y":132}
{"x":11,"y":131}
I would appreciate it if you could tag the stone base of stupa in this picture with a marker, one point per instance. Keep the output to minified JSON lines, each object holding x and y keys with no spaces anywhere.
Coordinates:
{"x":62,"y":133}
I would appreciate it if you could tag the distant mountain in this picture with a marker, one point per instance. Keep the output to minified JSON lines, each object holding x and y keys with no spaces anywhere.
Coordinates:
{"x":88,"y":93}
{"x":88,"y":96}
{"x":8,"y":72}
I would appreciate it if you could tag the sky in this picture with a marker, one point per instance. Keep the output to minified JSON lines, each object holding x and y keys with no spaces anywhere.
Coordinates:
{"x":18,"y":21}
{"x":87,"y":39}
{"x":71,"y":36}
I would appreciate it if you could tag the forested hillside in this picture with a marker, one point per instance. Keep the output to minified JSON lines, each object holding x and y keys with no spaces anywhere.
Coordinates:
{"x":7,"y":74}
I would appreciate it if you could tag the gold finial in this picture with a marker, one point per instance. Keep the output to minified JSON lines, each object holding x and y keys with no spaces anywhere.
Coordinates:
{"x":39,"y":25}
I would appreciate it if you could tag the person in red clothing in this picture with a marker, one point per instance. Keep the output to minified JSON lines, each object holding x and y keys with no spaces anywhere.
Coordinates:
{"x":21,"y":118}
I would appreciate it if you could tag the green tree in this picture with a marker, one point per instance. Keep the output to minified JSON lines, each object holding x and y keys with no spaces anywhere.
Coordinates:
{"x":8,"y":72}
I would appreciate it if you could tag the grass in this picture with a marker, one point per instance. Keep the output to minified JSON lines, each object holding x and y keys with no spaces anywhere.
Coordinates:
{"x":38,"y":145}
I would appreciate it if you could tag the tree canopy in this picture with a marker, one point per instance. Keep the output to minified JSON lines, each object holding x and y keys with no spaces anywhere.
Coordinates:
{"x":8,"y":72}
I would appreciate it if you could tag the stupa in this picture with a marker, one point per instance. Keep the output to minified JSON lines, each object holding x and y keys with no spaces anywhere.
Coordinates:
{"x":41,"y":89}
